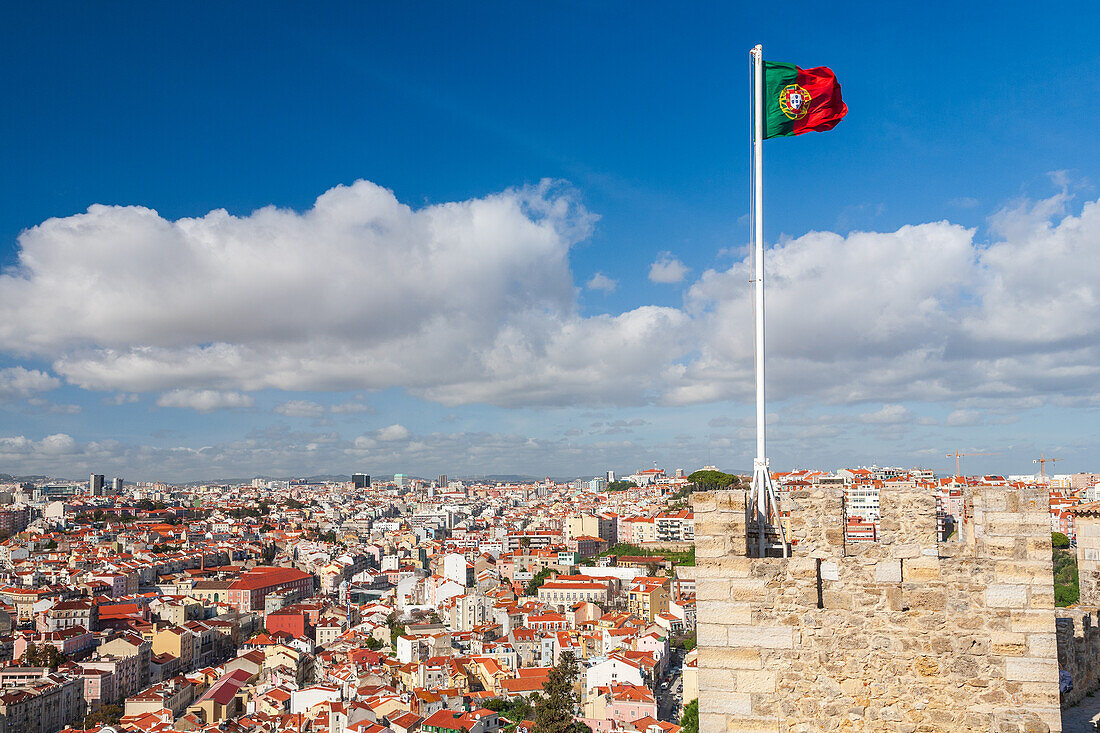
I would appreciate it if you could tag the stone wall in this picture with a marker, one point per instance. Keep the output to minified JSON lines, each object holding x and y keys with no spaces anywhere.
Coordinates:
{"x":1079,"y":650}
{"x":905,"y":634}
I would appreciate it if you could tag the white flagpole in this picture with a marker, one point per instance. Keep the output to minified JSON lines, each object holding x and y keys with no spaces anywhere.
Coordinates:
{"x":764,"y":498}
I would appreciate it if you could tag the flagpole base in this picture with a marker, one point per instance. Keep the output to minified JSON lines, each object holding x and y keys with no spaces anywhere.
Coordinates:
{"x":767,"y":535}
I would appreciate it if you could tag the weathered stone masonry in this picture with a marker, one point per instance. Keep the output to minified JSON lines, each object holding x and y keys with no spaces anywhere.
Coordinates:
{"x":906,"y":634}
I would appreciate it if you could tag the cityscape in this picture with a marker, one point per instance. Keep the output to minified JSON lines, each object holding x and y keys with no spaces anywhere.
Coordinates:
{"x":390,"y":603}
{"x":616,"y":367}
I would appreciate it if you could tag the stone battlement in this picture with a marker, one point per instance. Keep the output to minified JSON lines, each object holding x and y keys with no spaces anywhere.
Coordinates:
{"x":903,"y":634}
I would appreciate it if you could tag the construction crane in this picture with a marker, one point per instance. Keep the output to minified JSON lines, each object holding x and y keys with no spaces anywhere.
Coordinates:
{"x":1043,"y":461}
{"x":956,"y":455}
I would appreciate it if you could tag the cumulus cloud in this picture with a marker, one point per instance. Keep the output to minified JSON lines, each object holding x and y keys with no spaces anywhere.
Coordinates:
{"x":474,"y":302}
{"x":668,"y":269}
{"x":204,"y":400}
{"x":460,"y":302}
{"x":19,"y":383}
{"x":600,"y":281}
{"x":393,"y":433}
{"x":926,"y":313}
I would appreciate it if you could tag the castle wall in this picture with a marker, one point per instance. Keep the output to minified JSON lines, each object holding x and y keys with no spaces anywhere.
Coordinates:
{"x":905,"y":634}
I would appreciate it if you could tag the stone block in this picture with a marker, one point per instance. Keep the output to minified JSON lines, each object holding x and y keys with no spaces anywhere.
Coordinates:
{"x":712,"y":589}
{"x":727,"y":658}
{"x":1031,"y":622}
{"x":716,"y":680}
{"x":712,"y":724}
{"x":743,"y":724}
{"x":888,"y":571}
{"x":729,"y":703}
{"x":1031,"y":669}
{"x":1042,"y":597}
{"x":711,"y":634}
{"x":764,"y":637}
{"x":710,"y":546}
{"x":756,"y":681}
{"x":747,"y":589}
{"x":1003,"y":595}
{"x":703,"y":502}
{"x":922,"y":569}
{"x":1009,"y":643}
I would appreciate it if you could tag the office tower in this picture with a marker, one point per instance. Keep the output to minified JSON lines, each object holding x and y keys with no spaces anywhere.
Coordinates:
{"x":442,"y":482}
{"x":360,"y":480}
{"x":610,"y":477}
{"x":95,"y":484}
{"x":116,"y":485}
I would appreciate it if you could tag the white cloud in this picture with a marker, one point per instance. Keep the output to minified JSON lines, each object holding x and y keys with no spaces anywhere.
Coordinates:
{"x":668,"y":269}
{"x":600,"y":281}
{"x":964,"y":418}
{"x":53,"y":408}
{"x":121,"y":398}
{"x":19,"y":383}
{"x":474,"y":302}
{"x":393,"y":433}
{"x":888,"y":415}
{"x":204,"y":400}
{"x":350,"y":408}
{"x":359,"y":292}
{"x":300,"y":408}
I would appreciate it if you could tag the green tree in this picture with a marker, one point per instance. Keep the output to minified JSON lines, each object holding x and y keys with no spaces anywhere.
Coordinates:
{"x":396,"y":630}
{"x":1057,"y":539}
{"x":46,"y":655}
{"x":689,"y":721}
{"x":515,"y":710}
{"x":106,"y":715}
{"x":372,"y":643}
{"x":268,"y":553}
{"x":554,"y":709}
{"x":713,"y":480}
{"x":533,"y":585}
{"x":30,"y":657}
{"x":1067,"y":587}
{"x":621,"y":485}
{"x":685,"y":642}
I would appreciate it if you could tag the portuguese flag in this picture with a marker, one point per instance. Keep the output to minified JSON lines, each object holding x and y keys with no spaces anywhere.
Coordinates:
{"x":800,"y":100}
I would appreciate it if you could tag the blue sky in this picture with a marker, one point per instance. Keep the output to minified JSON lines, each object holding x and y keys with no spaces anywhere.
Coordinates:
{"x":963,"y":318}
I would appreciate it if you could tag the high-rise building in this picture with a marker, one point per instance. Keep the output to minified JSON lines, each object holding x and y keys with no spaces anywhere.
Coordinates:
{"x":441,"y":482}
{"x":95,"y":484}
{"x":360,"y":480}
{"x":610,"y":477}
{"x":116,"y":485}
{"x":399,"y":479}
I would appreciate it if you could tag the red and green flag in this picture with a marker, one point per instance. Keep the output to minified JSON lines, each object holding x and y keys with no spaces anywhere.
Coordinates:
{"x":800,"y":100}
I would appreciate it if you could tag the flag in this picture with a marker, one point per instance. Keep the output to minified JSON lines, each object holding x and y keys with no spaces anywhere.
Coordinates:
{"x":800,"y":100}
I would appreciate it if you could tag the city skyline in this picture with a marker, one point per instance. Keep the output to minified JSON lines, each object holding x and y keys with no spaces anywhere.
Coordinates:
{"x":276,"y":249}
